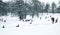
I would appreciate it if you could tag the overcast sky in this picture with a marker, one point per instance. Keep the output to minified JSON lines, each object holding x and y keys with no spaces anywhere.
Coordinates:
{"x":7,"y":0}
{"x":50,"y":1}
{"x":46,"y":1}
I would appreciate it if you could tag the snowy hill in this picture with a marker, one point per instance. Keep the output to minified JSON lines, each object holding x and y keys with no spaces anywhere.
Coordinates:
{"x":38,"y":27}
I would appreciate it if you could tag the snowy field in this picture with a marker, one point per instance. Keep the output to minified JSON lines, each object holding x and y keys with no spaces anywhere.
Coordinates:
{"x":39,"y":26}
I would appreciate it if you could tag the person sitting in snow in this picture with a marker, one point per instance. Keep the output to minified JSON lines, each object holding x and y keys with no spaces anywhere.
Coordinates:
{"x":17,"y":25}
{"x":4,"y":20}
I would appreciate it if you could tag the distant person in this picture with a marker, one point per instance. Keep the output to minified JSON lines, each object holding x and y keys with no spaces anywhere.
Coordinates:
{"x":52,"y":19}
{"x":45,"y":17}
{"x":4,"y":20}
{"x":31,"y":21}
{"x":56,"y":20}
{"x":17,"y":25}
{"x":40,"y":17}
{"x":1,"y":19}
{"x":3,"y":26}
{"x":20,"y":17}
{"x":27,"y":20}
{"x":50,"y":16}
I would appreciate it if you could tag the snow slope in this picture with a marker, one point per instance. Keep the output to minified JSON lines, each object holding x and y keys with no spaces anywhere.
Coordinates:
{"x":38,"y":27}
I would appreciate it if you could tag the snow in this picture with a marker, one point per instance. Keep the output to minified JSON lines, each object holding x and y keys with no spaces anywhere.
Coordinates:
{"x":38,"y":27}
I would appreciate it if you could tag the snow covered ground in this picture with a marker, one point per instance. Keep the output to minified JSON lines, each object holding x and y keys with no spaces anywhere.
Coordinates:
{"x":38,"y":27}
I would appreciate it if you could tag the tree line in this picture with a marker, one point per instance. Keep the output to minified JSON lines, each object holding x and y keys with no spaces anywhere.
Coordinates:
{"x":22,"y":8}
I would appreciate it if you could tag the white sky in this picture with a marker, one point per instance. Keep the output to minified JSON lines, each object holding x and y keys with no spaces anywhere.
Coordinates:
{"x":50,"y":1}
{"x":46,"y":1}
{"x":8,"y":0}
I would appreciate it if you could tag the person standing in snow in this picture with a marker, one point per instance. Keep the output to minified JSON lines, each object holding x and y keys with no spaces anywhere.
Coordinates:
{"x":3,"y":26}
{"x":56,"y":20}
{"x":31,"y":21}
{"x":40,"y":17}
{"x":52,"y":20}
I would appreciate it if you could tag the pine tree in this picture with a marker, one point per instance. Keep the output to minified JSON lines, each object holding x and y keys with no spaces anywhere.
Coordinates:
{"x":53,"y":7}
{"x":58,"y":8}
{"x":36,"y":7}
{"x":47,"y":8}
{"x":21,"y":9}
{"x":3,"y":9}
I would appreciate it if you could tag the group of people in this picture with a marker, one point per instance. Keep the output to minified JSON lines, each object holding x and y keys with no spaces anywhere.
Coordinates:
{"x":2,"y":20}
{"x":4,"y":26}
{"x":27,"y":20}
{"x":53,"y":20}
